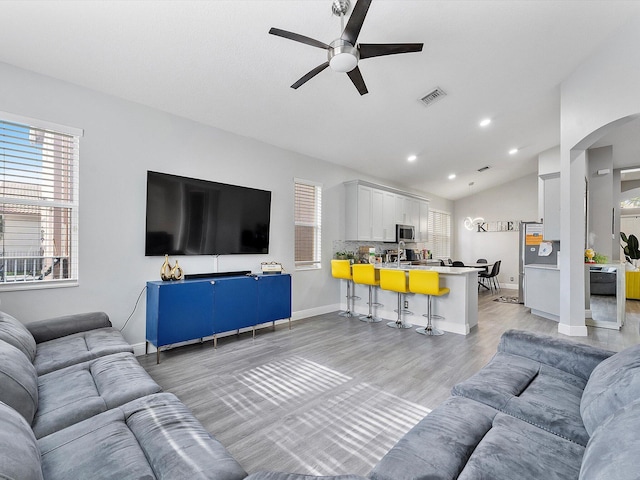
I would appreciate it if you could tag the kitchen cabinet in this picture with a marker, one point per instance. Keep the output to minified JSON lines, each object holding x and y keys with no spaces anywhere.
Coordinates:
{"x":372,"y":212}
{"x":542,"y":290}
{"x":389,"y":217}
{"x":364,"y":218}
{"x":551,"y":206}
{"x":197,"y":308}
{"x":422,"y":227}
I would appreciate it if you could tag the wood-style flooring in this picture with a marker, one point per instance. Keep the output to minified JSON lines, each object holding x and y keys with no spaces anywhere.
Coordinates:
{"x":333,"y":394}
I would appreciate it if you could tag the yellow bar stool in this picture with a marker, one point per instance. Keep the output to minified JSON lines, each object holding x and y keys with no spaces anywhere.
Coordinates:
{"x":427,"y":283}
{"x":342,"y":269}
{"x":366,"y":274}
{"x":396,"y":281}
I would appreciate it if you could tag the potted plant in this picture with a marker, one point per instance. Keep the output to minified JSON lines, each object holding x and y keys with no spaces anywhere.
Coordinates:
{"x":345,"y":255}
{"x":631,"y":248}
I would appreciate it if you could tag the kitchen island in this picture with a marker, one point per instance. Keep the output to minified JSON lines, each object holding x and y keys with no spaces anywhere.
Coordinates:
{"x":459,"y":307}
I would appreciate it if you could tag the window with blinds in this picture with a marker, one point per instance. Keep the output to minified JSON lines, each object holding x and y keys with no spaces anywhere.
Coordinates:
{"x":38,"y":202}
{"x":308,"y":215}
{"x":439,"y":228}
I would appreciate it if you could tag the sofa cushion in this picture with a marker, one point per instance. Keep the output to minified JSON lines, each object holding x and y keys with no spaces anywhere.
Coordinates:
{"x":531,"y":391}
{"x":56,"y":327}
{"x":151,"y":437}
{"x":77,"y":348}
{"x":75,"y":393}
{"x":612,"y":452}
{"x":466,"y":440}
{"x":612,"y":385}
{"x":18,"y":381}
{"x":20,"y":458}
{"x":14,"y":332}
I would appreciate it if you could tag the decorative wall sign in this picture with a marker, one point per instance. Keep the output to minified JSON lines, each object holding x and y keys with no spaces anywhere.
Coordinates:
{"x":501,"y":226}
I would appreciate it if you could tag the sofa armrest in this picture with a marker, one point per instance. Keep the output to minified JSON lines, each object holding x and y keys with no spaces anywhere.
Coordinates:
{"x":572,"y":357}
{"x":51,"y":328}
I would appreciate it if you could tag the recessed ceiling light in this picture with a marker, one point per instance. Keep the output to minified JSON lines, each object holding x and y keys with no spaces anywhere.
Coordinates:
{"x":452,"y":176}
{"x":485,"y":122}
{"x":513,"y":151}
{"x":412,"y":158}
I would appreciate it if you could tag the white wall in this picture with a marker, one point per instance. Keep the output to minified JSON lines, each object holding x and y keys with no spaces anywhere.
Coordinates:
{"x":516,"y":200}
{"x":601,"y":200}
{"x":599,"y":93}
{"x":122,"y":140}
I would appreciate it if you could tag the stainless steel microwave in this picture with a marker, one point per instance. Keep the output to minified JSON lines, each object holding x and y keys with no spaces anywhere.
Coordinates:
{"x":405,"y":233}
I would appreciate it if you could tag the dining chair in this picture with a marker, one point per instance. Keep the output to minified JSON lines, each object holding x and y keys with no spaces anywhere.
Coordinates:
{"x":492,"y":277}
{"x":458,"y":263}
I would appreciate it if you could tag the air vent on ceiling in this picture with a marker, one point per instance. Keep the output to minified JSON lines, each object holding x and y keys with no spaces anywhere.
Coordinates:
{"x":433,"y":96}
{"x":483,"y":168}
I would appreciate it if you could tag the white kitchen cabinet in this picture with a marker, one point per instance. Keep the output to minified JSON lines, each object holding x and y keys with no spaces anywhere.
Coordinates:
{"x":422,"y":233}
{"x":551,"y":214}
{"x":377,"y":208}
{"x":542,"y":290}
{"x":388,"y":217}
{"x":359,"y":201}
{"x":372,"y":212}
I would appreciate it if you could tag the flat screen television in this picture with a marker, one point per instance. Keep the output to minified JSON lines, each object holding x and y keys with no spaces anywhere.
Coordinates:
{"x":188,"y":216}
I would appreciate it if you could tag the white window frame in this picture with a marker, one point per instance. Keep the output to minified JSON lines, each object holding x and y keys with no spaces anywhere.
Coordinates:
{"x":316,"y":263}
{"x":72,"y":205}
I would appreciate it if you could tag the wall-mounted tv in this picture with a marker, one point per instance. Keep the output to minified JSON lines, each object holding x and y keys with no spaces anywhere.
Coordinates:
{"x":188,"y":216}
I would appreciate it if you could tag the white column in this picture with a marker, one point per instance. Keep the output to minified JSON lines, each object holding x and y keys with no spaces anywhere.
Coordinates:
{"x":572,"y":237}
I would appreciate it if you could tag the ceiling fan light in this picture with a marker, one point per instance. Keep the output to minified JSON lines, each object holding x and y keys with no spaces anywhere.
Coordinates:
{"x":343,"y":62}
{"x":343,"y":57}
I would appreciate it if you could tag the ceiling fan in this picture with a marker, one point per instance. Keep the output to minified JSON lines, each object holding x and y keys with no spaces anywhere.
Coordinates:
{"x":344,"y":53}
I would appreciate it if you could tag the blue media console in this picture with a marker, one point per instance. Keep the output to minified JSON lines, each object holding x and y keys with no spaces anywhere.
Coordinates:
{"x":197,"y":308}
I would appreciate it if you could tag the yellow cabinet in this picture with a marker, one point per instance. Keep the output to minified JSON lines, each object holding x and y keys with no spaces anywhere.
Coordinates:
{"x":633,"y":285}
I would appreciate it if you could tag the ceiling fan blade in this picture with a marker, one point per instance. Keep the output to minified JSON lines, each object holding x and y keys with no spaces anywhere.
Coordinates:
{"x":310,"y":75}
{"x":352,"y":30}
{"x":368,"y":50}
{"x":296,"y":37}
{"x":358,"y":81}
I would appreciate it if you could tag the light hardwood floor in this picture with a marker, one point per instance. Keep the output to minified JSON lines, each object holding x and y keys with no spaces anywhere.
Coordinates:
{"x":333,"y":395}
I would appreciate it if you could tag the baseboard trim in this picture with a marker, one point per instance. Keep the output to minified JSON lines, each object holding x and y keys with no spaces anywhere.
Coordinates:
{"x":573,"y":330}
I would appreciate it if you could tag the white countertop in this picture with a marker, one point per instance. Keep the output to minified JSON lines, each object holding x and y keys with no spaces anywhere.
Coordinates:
{"x":442,"y":270}
{"x":546,"y":266}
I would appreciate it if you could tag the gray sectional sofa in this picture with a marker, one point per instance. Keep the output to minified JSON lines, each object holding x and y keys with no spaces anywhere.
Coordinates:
{"x":75,"y":403}
{"x":542,"y":408}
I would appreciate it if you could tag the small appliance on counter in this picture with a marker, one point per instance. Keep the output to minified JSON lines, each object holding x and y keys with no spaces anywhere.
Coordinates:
{"x":271,"y":267}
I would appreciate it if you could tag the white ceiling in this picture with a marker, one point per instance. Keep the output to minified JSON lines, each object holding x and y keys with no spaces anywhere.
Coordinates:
{"x":214,"y":62}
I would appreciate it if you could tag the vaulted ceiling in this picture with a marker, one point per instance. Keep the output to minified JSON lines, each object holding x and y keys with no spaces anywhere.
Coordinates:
{"x":214,"y":62}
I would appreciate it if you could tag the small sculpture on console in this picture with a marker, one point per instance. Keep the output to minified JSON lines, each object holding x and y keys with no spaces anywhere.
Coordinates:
{"x":165,"y":270}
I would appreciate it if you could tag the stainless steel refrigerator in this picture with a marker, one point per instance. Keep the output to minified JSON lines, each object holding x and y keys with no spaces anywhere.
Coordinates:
{"x":528,"y":251}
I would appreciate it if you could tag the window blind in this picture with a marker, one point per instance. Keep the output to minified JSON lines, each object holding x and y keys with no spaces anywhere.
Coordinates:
{"x":38,"y":204}
{"x":439,"y":228}
{"x":308,"y":216}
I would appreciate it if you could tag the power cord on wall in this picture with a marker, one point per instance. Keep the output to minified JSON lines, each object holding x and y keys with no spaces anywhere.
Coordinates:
{"x":134,"y":308}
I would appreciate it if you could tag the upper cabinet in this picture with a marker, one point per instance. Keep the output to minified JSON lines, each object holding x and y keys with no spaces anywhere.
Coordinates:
{"x":551,"y":207}
{"x":373,"y":211}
